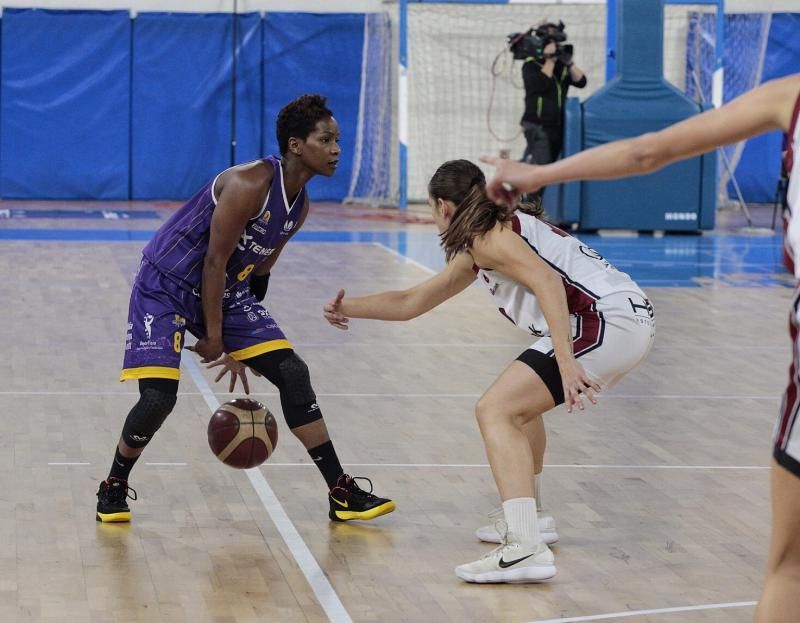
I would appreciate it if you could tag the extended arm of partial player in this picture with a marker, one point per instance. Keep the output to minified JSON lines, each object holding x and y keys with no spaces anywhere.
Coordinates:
{"x":415,"y":301}
{"x":765,"y":108}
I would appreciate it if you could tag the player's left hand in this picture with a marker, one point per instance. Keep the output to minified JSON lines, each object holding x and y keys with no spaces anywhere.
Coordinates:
{"x":333,"y":312}
{"x":576,"y":382}
{"x":237,"y":370}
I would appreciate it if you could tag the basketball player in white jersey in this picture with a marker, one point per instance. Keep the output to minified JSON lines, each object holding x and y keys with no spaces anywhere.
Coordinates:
{"x":593,"y":324}
{"x":774,"y":105}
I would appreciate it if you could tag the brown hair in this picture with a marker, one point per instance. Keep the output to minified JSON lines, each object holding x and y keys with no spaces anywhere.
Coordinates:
{"x":463,"y":183}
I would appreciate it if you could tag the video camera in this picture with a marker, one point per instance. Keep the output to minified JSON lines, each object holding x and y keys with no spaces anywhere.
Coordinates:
{"x":531,"y":43}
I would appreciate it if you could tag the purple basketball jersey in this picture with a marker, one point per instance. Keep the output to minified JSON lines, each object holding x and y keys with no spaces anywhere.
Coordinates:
{"x":165,"y":301}
{"x":179,"y":247}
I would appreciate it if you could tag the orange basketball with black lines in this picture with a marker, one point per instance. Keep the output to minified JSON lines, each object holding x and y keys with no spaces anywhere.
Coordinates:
{"x":242,"y":433}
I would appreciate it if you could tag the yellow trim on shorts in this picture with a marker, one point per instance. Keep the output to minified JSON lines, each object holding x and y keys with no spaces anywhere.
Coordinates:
{"x":260,"y":349}
{"x":150,"y":372}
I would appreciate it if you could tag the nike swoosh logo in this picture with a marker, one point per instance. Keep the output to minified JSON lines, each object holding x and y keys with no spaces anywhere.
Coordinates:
{"x":503,"y":564}
{"x":346,"y":504}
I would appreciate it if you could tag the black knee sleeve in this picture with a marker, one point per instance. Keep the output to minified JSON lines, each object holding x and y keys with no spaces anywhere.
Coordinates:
{"x":147,"y":415}
{"x":298,"y":400}
{"x":290,"y":375}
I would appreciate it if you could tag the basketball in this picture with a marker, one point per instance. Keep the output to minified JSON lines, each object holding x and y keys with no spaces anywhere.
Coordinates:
{"x":242,"y":433}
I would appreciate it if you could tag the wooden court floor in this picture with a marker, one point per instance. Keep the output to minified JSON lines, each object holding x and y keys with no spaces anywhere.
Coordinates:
{"x":660,"y":491}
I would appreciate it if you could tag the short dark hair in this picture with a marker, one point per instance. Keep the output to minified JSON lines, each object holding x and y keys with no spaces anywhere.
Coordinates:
{"x":299,"y":117}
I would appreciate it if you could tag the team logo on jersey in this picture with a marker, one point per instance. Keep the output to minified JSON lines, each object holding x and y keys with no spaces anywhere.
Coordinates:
{"x":265,"y":218}
{"x":148,"y":324}
{"x":534,"y":331}
{"x":589,"y":252}
{"x":246,"y":238}
{"x":178,"y":321}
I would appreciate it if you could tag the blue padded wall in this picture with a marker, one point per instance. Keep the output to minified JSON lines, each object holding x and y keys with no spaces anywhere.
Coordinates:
{"x":759,"y":165}
{"x":181,"y":92}
{"x":249,"y":89}
{"x":64,"y":104}
{"x":315,"y":53}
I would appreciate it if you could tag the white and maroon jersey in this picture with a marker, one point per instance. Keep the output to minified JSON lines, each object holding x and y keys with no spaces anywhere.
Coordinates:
{"x":792,"y":219}
{"x":586,"y":275}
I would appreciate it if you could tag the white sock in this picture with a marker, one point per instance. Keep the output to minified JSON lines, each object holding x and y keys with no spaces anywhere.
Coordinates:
{"x":520,"y":514}
{"x":537,"y":491}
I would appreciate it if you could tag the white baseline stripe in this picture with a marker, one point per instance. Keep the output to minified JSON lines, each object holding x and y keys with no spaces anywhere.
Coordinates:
{"x":549,"y":466}
{"x":168,"y":464}
{"x":637,"y":613}
{"x":67,"y":463}
{"x":776,"y":397}
{"x":322,"y":588}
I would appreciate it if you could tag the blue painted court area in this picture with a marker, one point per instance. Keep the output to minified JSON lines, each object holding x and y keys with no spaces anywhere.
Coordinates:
{"x":668,"y":261}
{"x":108,"y":215}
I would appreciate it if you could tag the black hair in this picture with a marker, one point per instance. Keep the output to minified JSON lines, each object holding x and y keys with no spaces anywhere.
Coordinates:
{"x":299,"y":117}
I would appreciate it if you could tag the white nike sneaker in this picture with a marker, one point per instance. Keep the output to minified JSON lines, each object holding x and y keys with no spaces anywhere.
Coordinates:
{"x":547,"y":528}
{"x":513,"y":562}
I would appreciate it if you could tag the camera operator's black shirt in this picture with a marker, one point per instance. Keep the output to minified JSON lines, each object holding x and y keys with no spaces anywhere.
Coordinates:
{"x":545,"y":97}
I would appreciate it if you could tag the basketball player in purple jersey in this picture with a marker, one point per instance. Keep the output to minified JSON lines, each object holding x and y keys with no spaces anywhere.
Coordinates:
{"x":774,"y":105}
{"x":205,"y":271}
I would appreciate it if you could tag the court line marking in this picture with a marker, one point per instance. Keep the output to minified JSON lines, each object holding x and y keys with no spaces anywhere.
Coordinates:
{"x":549,"y":466}
{"x":406,"y":259}
{"x":168,"y":464}
{"x":636,"y":613}
{"x":326,"y":595}
{"x":486,"y":466}
{"x":775,"y":397}
{"x":67,"y":463}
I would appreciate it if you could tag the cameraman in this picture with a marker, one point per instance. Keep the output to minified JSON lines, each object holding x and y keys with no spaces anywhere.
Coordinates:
{"x":547,"y":76}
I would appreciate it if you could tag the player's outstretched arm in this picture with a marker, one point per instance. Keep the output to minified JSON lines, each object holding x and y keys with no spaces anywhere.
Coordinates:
{"x":403,"y":304}
{"x":768,"y":107}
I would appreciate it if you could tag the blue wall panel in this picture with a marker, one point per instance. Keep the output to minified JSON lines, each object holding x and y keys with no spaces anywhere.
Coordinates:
{"x":759,"y":166}
{"x":249,"y":133}
{"x":64,"y":102}
{"x":182,"y":102}
{"x":315,"y":53}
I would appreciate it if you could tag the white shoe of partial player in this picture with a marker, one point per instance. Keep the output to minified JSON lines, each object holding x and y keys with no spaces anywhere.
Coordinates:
{"x":547,"y":528}
{"x":513,"y":562}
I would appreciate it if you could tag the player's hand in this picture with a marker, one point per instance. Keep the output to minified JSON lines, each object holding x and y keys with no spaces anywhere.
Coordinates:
{"x":511,"y":179}
{"x":333,"y":312}
{"x":209,"y":349}
{"x":237,"y":369}
{"x":576,"y":383}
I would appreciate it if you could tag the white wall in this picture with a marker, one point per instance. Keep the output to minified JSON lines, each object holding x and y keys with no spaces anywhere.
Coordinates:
{"x":206,"y":6}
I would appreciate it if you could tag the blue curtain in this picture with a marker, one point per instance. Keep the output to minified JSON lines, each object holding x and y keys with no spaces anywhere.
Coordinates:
{"x":315,"y":53}
{"x":759,"y":167}
{"x":65,"y":104}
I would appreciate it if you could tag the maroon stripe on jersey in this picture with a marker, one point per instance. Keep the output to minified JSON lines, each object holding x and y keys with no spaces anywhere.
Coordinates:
{"x":515,"y":224}
{"x":790,"y":406}
{"x":557,"y":231}
{"x":577,"y":300}
{"x":592,"y":331}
